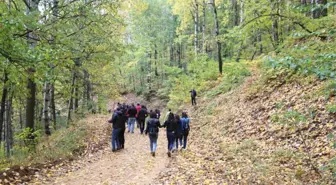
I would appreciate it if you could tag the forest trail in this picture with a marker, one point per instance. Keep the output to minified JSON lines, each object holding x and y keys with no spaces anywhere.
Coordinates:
{"x":133,"y":165}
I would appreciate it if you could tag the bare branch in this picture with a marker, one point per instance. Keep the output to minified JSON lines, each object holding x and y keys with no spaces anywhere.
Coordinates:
{"x":279,"y":15}
{"x":26,"y":3}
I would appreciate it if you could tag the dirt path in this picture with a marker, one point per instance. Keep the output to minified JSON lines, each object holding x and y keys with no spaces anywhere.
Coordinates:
{"x":133,"y":165}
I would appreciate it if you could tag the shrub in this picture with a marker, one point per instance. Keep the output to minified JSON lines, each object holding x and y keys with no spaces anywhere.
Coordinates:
{"x":63,"y":143}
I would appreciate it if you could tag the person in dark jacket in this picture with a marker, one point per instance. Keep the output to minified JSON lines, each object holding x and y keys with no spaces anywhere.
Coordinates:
{"x":193,"y":97}
{"x":178,"y":131}
{"x":158,"y":113}
{"x":141,"y":118}
{"x":122,"y":119}
{"x":152,"y":130}
{"x":170,"y":126}
{"x":131,"y":118}
{"x":116,"y":128}
{"x":185,"y":129}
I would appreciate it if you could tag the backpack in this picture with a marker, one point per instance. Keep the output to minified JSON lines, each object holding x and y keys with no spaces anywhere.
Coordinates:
{"x":152,"y":131}
{"x":193,"y":93}
{"x":185,"y":124}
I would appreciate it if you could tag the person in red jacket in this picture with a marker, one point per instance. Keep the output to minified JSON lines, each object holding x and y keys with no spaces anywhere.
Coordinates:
{"x":138,"y":108}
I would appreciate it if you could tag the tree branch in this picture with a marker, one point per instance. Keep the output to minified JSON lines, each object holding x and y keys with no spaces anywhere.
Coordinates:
{"x":302,"y":26}
{"x":15,"y":5}
{"x":278,"y":15}
{"x":26,"y":3}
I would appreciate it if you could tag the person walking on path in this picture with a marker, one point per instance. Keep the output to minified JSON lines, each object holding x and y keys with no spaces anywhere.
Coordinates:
{"x":116,"y":121}
{"x":138,"y":108}
{"x":185,"y":122}
{"x":167,"y":115}
{"x":178,"y":131}
{"x":122,"y":119}
{"x":132,"y":111}
{"x":193,"y":96}
{"x":152,"y":130}
{"x":141,"y":118}
{"x":170,"y":126}
{"x":158,"y":113}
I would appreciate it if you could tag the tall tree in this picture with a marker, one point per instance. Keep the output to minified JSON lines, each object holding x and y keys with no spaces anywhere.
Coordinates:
{"x":203,"y":26}
{"x":219,"y":46}
{"x":319,"y":9}
{"x":275,"y":23}
{"x":196,"y":26}
{"x":32,"y":8}
{"x":3,"y":102}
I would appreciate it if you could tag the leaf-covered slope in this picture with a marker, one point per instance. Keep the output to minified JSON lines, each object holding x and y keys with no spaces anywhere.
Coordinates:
{"x":280,"y":133}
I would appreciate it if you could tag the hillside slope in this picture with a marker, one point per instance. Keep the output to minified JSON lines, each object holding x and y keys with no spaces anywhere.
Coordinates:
{"x":279,"y":133}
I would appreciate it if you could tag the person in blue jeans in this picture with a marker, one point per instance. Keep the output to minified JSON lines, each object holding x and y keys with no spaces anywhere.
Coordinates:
{"x":178,"y":131}
{"x":152,"y":130}
{"x":170,"y":126}
{"x":115,"y":139}
{"x":132,"y":112}
{"x":185,"y":123}
{"x":117,"y":120}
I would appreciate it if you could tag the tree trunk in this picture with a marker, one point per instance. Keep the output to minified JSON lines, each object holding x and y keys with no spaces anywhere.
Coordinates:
{"x":70,"y":106}
{"x":46,"y":105}
{"x":76,"y":95}
{"x":219,"y":46}
{"x":275,"y":29}
{"x":87,"y":88}
{"x":31,"y":86}
{"x":75,"y":85}
{"x":149,"y":63}
{"x":320,"y":11}
{"x":55,"y":8}
{"x":20,"y":118}
{"x":52,"y":106}
{"x":8,"y":131}
{"x":30,"y":105}
{"x":156,"y":61}
{"x":235,"y":12}
{"x":171,"y":54}
{"x":239,"y":51}
{"x":179,"y":52}
{"x":203,"y":27}
{"x":3,"y":103}
{"x":259,"y":40}
{"x":196,"y":27}
{"x":241,"y":11}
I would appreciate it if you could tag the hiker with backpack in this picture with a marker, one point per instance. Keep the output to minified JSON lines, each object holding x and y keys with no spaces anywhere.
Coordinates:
{"x":193,"y":96}
{"x":185,"y":129}
{"x":170,"y":126}
{"x":141,"y":118}
{"x":152,"y":130}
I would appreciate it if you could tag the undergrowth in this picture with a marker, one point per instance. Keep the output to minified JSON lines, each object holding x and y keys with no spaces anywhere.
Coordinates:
{"x":202,"y":75}
{"x":65,"y":143}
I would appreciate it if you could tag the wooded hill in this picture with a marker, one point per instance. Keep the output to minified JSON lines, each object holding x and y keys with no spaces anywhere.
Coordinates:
{"x":61,"y":60}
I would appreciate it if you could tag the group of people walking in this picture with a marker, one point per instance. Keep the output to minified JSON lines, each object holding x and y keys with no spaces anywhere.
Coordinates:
{"x":177,"y":127}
